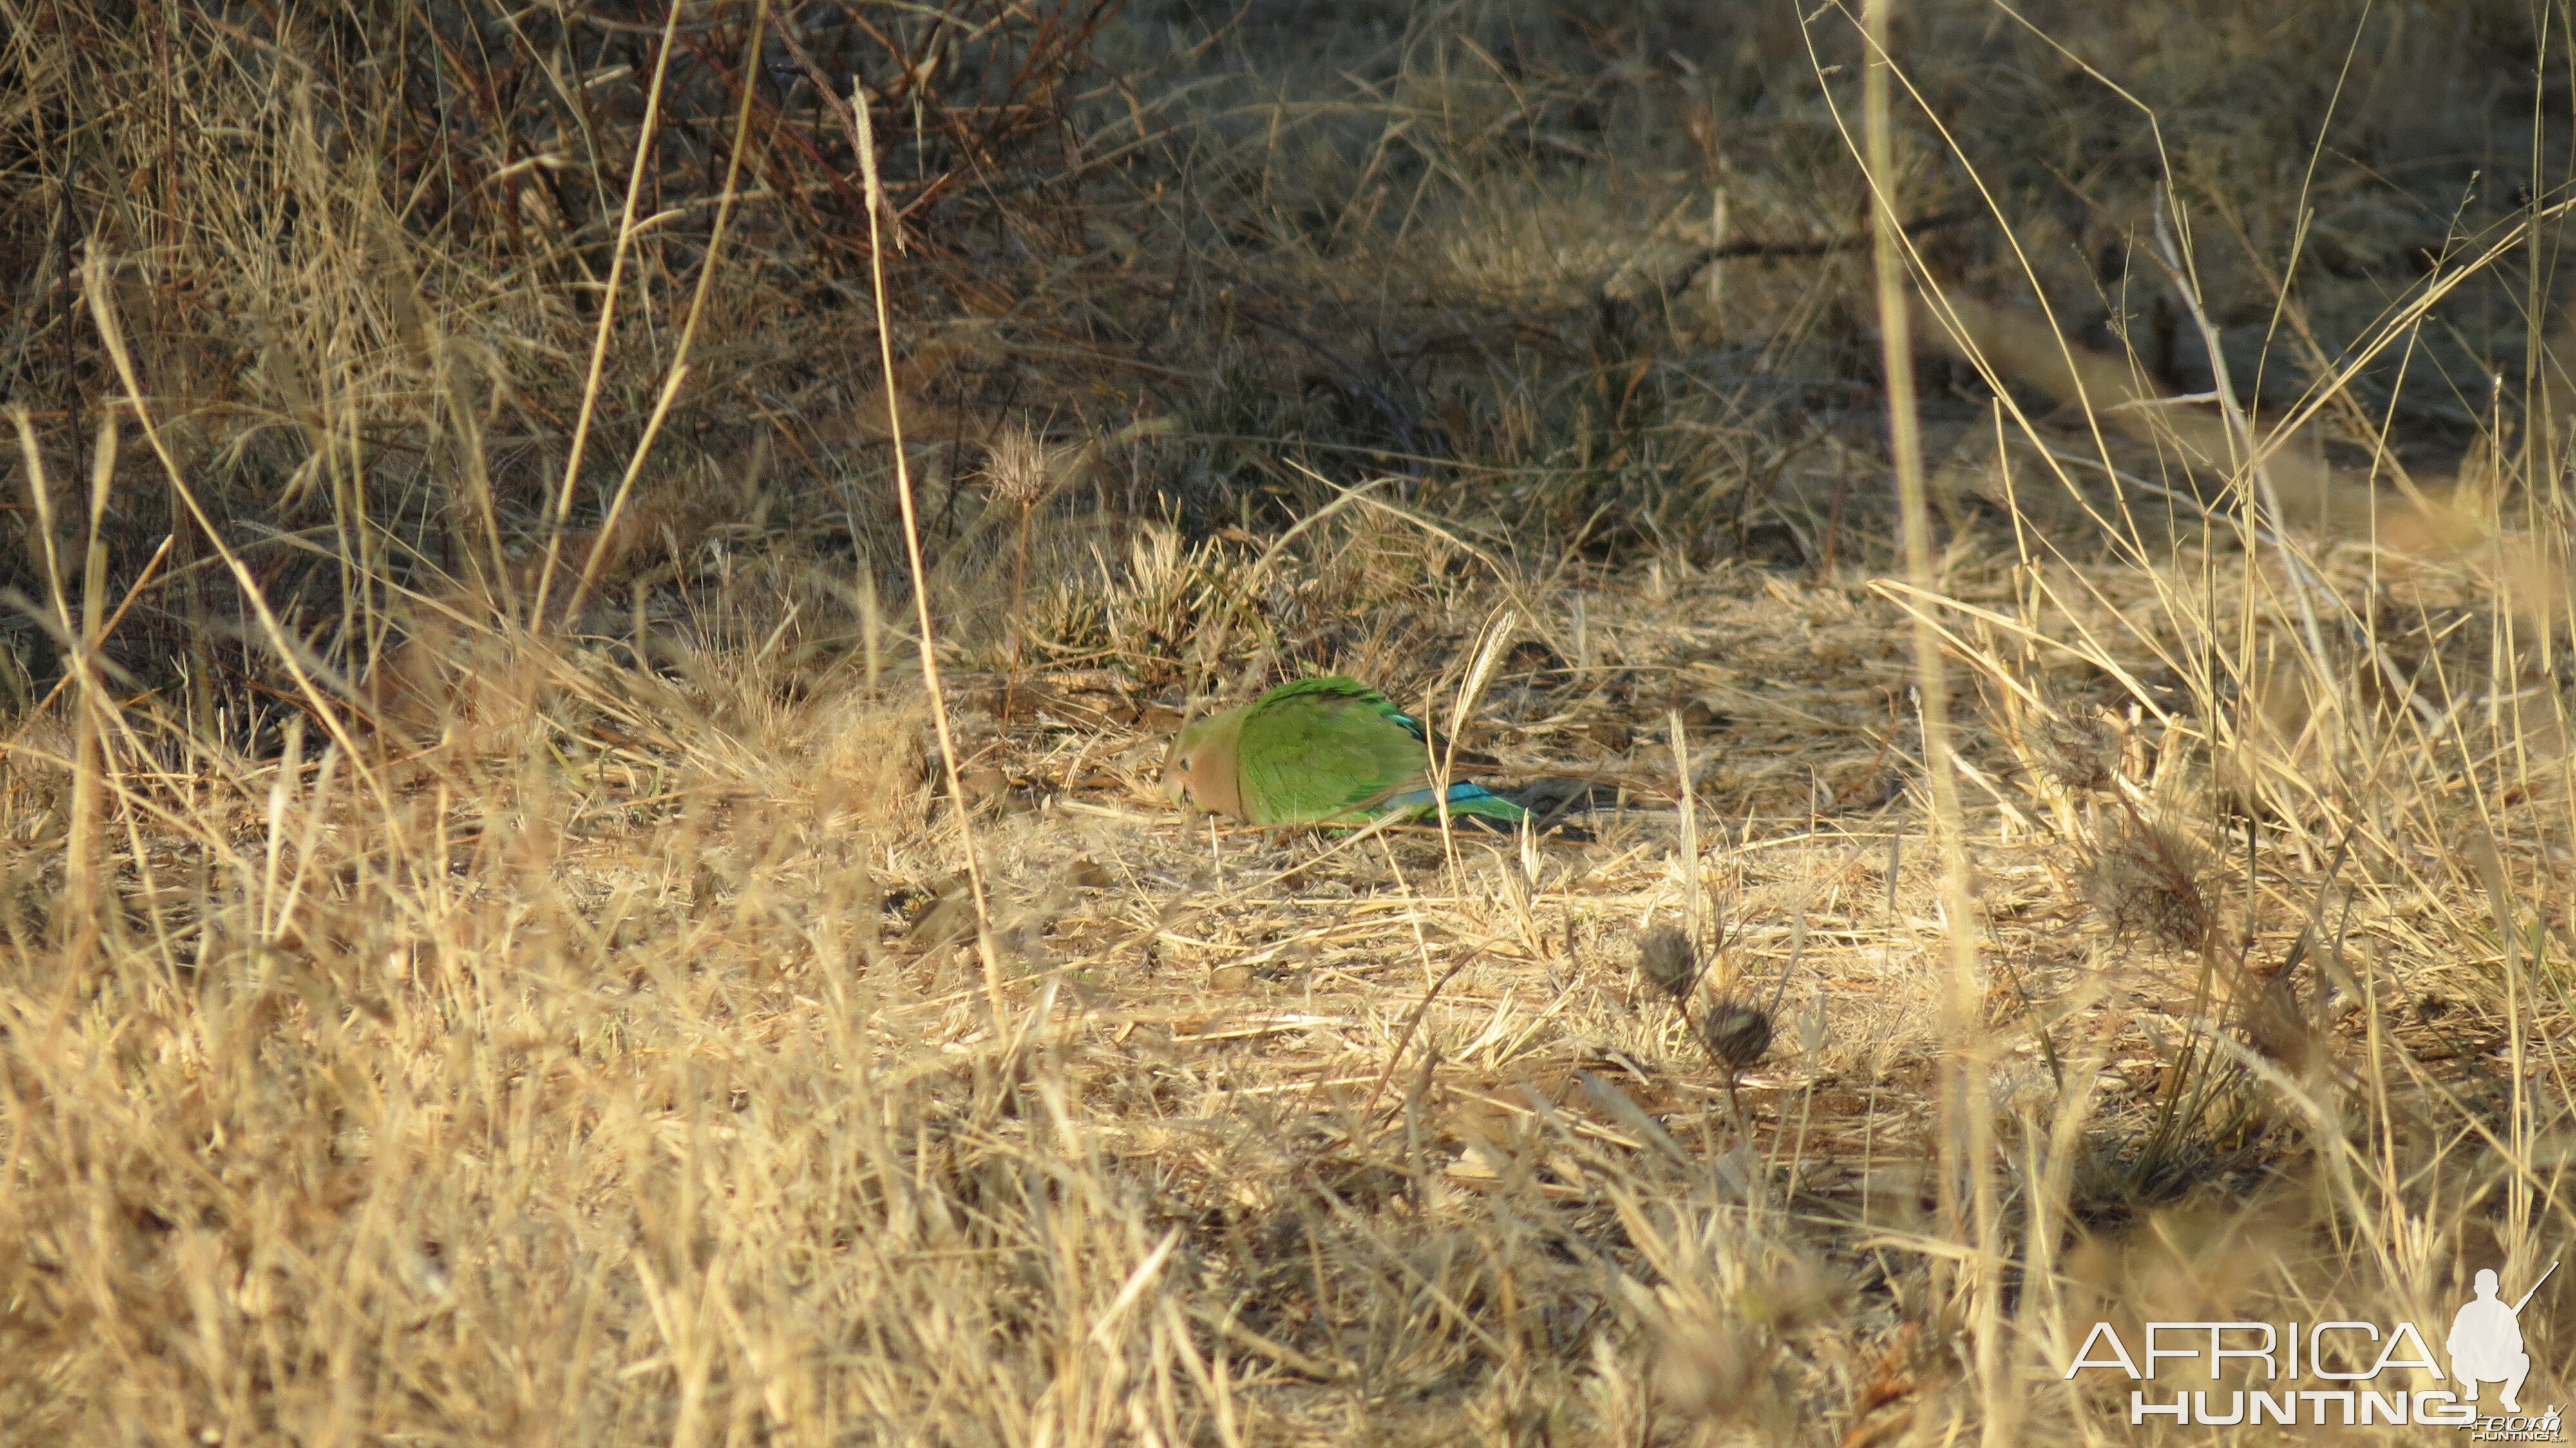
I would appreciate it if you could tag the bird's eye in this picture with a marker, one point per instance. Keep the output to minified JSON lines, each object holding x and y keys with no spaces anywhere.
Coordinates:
{"x":1185,"y":762}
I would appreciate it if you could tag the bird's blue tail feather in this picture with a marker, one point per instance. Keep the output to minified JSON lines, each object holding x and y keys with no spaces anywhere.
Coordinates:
{"x":1464,"y":798}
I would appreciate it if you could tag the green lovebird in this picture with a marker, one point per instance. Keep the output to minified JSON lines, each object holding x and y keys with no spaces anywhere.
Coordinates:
{"x":1318,"y":751}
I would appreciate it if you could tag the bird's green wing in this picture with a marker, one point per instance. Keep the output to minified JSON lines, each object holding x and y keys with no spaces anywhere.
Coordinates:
{"x":1324,"y":749}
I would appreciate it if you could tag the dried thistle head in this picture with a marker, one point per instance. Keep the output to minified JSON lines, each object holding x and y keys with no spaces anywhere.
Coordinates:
{"x":1019,"y":467}
{"x":2080,"y":750}
{"x":2148,"y":879}
{"x":1666,"y":961}
{"x":1737,"y":1032}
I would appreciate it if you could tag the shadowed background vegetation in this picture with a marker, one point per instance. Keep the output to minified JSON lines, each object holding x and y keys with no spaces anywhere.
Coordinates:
{"x":491,"y":953}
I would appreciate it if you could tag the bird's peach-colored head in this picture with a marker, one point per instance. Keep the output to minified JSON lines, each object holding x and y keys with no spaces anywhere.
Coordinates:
{"x":1201,"y":765}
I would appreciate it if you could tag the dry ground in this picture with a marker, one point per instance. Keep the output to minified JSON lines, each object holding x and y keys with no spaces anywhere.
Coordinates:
{"x":435,"y":1011}
{"x":623,"y":1066}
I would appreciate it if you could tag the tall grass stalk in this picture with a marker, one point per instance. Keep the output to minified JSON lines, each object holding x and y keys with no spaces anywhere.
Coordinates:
{"x":1967,"y":1138}
{"x":938,"y":697}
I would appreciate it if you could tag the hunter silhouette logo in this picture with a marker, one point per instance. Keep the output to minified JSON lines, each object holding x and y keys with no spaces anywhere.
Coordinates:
{"x":2348,"y":1367}
{"x":2486,"y":1341}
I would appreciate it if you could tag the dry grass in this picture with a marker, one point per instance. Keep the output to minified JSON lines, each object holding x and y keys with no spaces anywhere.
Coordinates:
{"x":490,"y":954}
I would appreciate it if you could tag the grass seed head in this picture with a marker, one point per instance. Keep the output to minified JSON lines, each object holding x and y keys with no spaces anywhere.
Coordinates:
{"x":2081,"y":751}
{"x":1019,"y":468}
{"x":2146,"y":881}
{"x":2273,"y":1020}
{"x":1709,"y":1370}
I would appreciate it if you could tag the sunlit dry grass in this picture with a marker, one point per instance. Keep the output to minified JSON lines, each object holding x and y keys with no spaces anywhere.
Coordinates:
{"x":430,"y":1017}
{"x":626,"y":1076}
